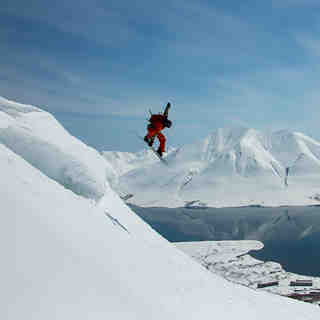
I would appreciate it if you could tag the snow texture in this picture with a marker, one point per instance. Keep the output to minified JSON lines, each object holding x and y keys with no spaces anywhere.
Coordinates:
{"x":67,"y":257}
{"x":232,"y":167}
{"x":38,"y":138}
{"x":124,"y":162}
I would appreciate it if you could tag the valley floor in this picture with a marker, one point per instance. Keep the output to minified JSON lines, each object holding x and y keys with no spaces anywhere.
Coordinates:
{"x":231,"y":260}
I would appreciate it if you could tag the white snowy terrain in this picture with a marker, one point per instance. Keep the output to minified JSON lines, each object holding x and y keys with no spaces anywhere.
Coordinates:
{"x":232,"y":167}
{"x":124,"y":162}
{"x":39,"y":138}
{"x":67,"y":255}
{"x":230,"y":259}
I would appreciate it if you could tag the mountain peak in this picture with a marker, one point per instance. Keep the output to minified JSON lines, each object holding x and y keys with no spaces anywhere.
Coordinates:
{"x":234,"y":165}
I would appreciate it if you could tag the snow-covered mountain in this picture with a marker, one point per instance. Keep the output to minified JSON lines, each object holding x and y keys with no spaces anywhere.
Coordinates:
{"x":232,"y":167}
{"x":67,"y":255}
{"x":40,"y":139}
{"x":123,"y":162}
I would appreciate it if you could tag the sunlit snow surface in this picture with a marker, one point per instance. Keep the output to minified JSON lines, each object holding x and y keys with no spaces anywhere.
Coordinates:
{"x":38,"y":138}
{"x":64,"y":256}
{"x":124,"y":162}
{"x":231,"y":167}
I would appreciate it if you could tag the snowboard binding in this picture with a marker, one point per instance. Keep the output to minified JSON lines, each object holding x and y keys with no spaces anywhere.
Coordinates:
{"x":149,"y":141}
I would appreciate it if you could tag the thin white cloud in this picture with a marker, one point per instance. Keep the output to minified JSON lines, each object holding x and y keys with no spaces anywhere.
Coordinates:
{"x":186,"y":25}
{"x":294,"y":3}
{"x":91,"y":20}
{"x":189,"y":38}
{"x":310,"y":43}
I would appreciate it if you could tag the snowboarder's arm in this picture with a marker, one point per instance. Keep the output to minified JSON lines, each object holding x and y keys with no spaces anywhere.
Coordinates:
{"x":166,"y":111}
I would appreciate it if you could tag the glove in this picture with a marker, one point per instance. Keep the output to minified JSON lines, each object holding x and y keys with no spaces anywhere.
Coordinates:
{"x":168,"y":123}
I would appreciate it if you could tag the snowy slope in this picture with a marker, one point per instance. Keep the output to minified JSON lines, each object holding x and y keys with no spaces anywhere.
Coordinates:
{"x":37,"y":137}
{"x":297,"y":151}
{"x":232,"y":167}
{"x":123,"y":162}
{"x":65,"y":257}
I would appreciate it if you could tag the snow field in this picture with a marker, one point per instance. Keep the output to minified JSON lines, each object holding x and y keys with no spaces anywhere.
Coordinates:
{"x":231,"y":167}
{"x":43,"y":142}
{"x":65,"y":256}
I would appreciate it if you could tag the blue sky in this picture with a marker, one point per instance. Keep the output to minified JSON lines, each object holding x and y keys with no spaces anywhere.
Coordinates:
{"x":98,"y":66}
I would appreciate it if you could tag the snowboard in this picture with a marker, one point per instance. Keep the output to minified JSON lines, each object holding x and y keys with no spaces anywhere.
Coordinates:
{"x":154,"y":151}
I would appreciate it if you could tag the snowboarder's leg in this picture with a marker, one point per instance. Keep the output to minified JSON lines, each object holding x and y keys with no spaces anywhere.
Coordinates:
{"x":162,"y":140}
{"x":149,"y":138}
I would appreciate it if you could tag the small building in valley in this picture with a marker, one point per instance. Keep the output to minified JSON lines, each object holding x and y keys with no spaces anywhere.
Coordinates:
{"x":267,"y":284}
{"x":301,"y":283}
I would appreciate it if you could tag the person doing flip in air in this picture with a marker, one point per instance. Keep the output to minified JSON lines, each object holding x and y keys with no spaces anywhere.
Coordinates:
{"x":157,"y":123}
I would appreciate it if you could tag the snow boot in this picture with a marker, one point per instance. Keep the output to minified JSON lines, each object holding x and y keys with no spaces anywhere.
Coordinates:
{"x":149,"y":141}
{"x":159,"y":152}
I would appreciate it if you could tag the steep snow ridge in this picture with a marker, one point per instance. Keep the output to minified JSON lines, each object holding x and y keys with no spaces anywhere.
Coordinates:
{"x":285,"y":147}
{"x":258,"y":158}
{"x":235,"y":151}
{"x":296,"y":151}
{"x":14,"y":109}
{"x":64,"y":257}
{"x":312,"y":150}
{"x":37,"y":137}
{"x":307,"y":139}
{"x":221,"y":141}
{"x":225,"y":139}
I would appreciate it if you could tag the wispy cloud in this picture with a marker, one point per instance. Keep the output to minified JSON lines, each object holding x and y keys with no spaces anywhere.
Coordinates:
{"x":294,"y":3}
{"x":90,"y":20}
{"x":310,"y":43}
{"x":218,"y":63}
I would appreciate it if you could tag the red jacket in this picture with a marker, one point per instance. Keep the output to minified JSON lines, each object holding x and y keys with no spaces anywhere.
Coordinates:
{"x":157,"y":121}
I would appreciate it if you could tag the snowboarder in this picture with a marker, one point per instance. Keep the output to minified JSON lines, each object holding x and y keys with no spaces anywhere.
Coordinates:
{"x":157,"y":123}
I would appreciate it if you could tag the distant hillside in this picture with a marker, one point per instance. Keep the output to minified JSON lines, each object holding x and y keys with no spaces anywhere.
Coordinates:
{"x":230,"y":167}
